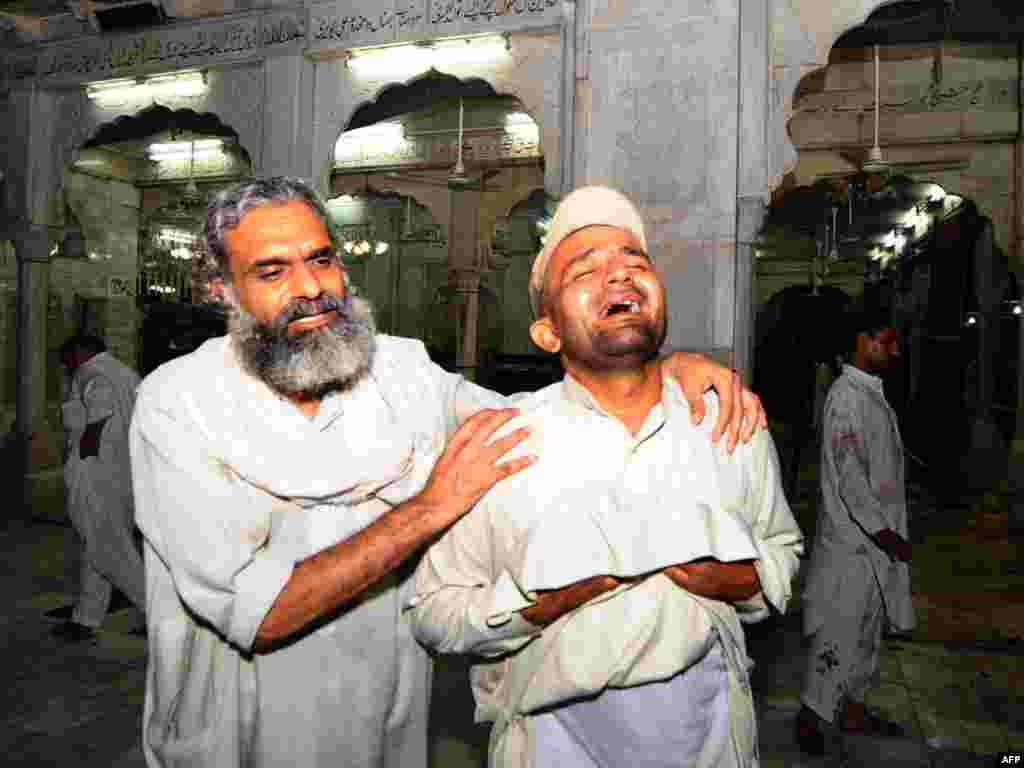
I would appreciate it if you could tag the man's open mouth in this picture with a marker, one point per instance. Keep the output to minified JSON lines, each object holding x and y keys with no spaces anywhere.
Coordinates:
{"x":628,"y":307}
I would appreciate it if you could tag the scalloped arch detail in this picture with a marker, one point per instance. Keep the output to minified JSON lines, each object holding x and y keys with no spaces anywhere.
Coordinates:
{"x":156,"y":118}
{"x":419,"y":92}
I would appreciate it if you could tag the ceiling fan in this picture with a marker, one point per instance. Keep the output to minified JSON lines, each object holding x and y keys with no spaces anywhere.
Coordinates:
{"x":458,"y":175}
{"x":875,"y":163}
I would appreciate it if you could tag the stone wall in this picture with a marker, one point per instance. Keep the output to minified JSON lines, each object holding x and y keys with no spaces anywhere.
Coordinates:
{"x":108,"y":212}
{"x":659,"y":121}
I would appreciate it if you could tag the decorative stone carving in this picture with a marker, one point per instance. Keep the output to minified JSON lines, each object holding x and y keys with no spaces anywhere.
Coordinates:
{"x":363,"y":23}
{"x":933,"y":97}
{"x":282,"y":28}
{"x":224,"y":40}
{"x":482,"y":146}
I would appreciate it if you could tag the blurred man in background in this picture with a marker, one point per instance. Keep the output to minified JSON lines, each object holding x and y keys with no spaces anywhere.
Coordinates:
{"x":97,"y":473}
{"x":858,"y":577}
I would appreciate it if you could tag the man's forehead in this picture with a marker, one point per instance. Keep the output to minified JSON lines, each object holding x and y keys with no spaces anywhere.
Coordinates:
{"x":597,"y":236}
{"x":276,"y":227}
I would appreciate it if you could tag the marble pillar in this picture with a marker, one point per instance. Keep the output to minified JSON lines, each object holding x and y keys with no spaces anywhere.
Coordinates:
{"x":750,"y":213}
{"x":1016,"y":462}
{"x":751,"y":172}
{"x":465,"y":263}
{"x":32,"y":245}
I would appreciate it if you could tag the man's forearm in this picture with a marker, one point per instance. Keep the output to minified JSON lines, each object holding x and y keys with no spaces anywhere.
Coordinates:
{"x":551,"y":606}
{"x":327,"y":581}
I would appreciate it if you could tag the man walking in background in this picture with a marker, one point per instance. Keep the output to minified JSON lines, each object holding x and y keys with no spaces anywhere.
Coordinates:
{"x":858,"y":576}
{"x":97,"y":473}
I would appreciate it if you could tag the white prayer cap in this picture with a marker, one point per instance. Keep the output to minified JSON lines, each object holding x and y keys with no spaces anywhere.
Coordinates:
{"x":584,"y":207}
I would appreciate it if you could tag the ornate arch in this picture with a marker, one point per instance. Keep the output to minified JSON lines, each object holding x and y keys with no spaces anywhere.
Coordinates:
{"x":804,"y":33}
{"x":156,"y":118}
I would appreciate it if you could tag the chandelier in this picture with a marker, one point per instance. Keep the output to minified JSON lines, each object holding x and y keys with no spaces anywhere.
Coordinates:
{"x":365,"y":247}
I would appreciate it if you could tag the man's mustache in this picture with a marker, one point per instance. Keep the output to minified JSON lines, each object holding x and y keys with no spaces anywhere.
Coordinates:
{"x":299,"y":308}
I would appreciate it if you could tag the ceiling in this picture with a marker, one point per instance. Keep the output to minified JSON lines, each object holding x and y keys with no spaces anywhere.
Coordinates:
{"x":912,"y":22}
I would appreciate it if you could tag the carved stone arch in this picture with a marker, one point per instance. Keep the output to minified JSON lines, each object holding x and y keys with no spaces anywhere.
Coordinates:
{"x":420,"y":91}
{"x":808,"y":37}
{"x":522,"y":194}
{"x":156,"y":118}
{"x":424,"y":89}
{"x":435,"y":199}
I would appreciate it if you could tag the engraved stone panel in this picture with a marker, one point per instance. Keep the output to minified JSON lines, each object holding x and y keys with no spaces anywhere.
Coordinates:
{"x":177,"y":47}
{"x":362,"y":23}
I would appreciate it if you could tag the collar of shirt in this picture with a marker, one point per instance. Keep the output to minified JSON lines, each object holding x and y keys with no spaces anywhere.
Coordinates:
{"x":92,"y":362}
{"x":863,"y":377}
{"x":331,"y":406}
{"x":95,"y":359}
{"x":577,"y":396}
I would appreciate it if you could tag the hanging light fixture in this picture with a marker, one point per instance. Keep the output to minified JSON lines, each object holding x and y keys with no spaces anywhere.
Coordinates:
{"x":365,"y":247}
{"x":191,"y":194}
{"x":185,"y":83}
{"x":875,"y":163}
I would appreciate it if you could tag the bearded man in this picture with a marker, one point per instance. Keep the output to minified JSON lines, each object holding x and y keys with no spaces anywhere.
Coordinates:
{"x":603,"y":587}
{"x":283,"y":475}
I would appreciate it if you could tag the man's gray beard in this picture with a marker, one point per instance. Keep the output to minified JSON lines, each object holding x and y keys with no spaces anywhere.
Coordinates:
{"x":314,"y":363}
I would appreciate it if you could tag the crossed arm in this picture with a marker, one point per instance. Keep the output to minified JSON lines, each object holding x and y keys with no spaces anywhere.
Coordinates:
{"x":259,"y":603}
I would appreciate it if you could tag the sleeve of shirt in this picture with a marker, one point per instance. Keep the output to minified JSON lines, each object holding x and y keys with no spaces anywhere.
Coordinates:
{"x":207,"y":527}
{"x":460,"y":605}
{"x":778,"y":538}
{"x":99,"y":398}
{"x":465,"y":398}
{"x":845,"y":429}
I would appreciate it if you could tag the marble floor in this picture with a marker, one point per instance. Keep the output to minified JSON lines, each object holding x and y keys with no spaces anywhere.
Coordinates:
{"x":957,"y":686}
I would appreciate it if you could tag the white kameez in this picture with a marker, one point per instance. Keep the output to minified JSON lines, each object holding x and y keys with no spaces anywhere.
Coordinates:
{"x":234,"y":486}
{"x":99,"y":490}
{"x":598,"y":501}
{"x":852,"y":586}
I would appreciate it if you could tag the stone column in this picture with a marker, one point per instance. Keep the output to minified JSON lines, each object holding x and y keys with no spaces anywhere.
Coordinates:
{"x":1016,"y":463}
{"x":463,"y":257}
{"x":751,"y":173}
{"x":467,"y":288}
{"x":31,"y":247}
{"x":750,"y":213}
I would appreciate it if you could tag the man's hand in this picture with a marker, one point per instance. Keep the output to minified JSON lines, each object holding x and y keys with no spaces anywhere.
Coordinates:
{"x":89,"y":445}
{"x":894,"y":545}
{"x":324,"y":583}
{"x":739,"y":410}
{"x":552,"y":604}
{"x":728,"y":582}
{"x":468,"y":467}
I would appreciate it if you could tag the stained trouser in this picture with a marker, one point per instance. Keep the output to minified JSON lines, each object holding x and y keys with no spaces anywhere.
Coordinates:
{"x":843,"y":660}
{"x":110,"y":557}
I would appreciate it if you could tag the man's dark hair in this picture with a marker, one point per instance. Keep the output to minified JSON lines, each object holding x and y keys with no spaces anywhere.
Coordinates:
{"x":94,"y":345}
{"x":226,"y":208}
{"x":867,"y":321}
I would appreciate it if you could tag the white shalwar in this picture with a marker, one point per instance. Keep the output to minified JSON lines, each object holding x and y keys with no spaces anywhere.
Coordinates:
{"x":99,"y":488}
{"x":234,"y":486}
{"x":852,"y":586}
{"x":647,"y":675}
